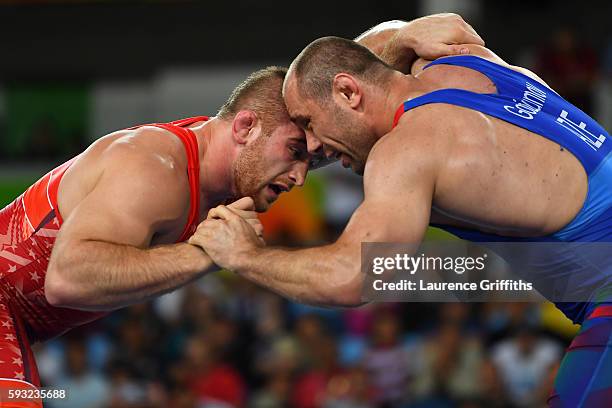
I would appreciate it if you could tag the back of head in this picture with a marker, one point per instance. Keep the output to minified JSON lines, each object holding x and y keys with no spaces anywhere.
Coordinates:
{"x":261,"y":93}
{"x":317,"y":65}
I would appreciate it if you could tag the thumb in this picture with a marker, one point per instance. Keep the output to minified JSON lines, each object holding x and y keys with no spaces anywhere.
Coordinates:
{"x":245,"y":203}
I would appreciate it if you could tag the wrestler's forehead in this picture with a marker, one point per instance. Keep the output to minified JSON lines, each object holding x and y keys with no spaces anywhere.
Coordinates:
{"x":298,"y":111}
{"x":290,"y":93}
{"x":290,"y":130}
{"x":299,"y":108}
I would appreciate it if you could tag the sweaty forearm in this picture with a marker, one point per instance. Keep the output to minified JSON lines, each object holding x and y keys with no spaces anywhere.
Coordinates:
{"x":325,"y":276}
{"x":94,"y":275}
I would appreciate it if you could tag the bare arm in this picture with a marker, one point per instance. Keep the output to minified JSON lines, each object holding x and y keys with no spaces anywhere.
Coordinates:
{"x":400,"y":43}
{"x":100,"y":260}
{"x":398,"y":192}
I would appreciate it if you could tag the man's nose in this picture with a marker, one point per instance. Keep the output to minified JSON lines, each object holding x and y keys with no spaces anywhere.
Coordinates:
{"x":298,"y":173}
{"x":312,"y":143}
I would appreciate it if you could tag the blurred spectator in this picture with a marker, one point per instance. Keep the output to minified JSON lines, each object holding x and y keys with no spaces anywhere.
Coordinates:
{"x":524,"y":363}
{"x":313,"y":386}
{"x":386,"y":360}
{"x":275,"y":393}
{"x":349,"y":389}
{"x":213,"y":382}
{"x":452,"y":361}
{"x":309,"y":333}
{"x":85,"y":388}
{"x":138,"y":344}
{"x":127,"y":389}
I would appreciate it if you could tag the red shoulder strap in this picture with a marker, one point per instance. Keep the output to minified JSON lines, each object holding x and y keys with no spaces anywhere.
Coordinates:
{"x":55,"y":177}
{"x":178,"y":127}
{"x":51,"y":181}
{"x":189,"y":121}
{"x":398,"y":114}
{"x":193,"y":170}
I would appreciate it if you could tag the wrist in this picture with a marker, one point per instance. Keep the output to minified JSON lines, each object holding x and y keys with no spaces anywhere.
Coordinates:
{"x":406,"y":38}
{"x":202,"y":262}
{"x":399,"y":51}
{"x":247,"y":260}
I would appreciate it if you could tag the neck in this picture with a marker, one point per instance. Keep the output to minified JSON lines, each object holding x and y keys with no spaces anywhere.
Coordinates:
{"x":216,"y":158}
{"x":400,"y":89}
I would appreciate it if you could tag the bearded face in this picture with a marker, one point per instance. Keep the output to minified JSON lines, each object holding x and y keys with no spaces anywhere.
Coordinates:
{"x":353,"y":138}
{"x":272,"y":164}
{"x":250,"y":173}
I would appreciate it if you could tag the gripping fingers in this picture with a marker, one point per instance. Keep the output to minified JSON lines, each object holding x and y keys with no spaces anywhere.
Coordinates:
{"x":471,"y":37}
{"x":476,"y":39}
{"x":256,"y":225}
{"x":245,"y":214}
{"x":202,"y":232}
{"x":245,"y":203}
{"x":226,"y":214}
{"x":222,"y":212}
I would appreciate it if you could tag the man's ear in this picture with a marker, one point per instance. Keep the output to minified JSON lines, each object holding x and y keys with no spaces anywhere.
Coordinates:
{"x":243,"y":125}
{"x":347,"y":91}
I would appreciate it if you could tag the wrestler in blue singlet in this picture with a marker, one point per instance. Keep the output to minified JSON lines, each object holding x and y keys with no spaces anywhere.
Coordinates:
{"x":585,"y":376}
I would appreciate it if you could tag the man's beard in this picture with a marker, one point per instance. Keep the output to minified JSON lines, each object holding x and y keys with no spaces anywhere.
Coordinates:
{"x":356,"y":135}
{"x":249,"y":171}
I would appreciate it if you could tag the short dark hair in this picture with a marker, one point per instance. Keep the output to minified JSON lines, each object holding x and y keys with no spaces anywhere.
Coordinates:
{"x":261,"y":92}
{"x":317,"y":65}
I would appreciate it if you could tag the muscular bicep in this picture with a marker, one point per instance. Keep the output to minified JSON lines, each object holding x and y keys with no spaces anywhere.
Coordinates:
{"x":398,"y":195}
{"x":133,"y":197}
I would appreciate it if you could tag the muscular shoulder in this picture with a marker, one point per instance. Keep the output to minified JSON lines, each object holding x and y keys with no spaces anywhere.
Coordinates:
{"x":156,"y":162}
{"x":413,"y":150}
{"x":145,"y":168}
{"x":153,"y":151}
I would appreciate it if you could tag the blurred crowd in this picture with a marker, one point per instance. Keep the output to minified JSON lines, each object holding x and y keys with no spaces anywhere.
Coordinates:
{"x":223,"y":342}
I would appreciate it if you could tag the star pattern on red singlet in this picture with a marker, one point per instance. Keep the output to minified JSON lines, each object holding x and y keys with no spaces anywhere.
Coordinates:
{"x":19,"y":375}
{"x":18,"y":361}
{"x":12,"y":268}
{"x":9,"y":337}
{"x":34,"y":276}
{"x":6,"y":238}
{"x":7,"y":324}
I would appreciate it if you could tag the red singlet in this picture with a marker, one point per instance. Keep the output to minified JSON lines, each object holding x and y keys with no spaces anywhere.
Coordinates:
{"x":28,"y":228}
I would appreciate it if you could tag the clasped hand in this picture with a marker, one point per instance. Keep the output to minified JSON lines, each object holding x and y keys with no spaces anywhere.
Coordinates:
{"x":230,"y":234}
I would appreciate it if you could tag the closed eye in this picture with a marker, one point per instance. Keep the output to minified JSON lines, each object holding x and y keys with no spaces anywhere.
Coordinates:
{"x":298,"y":153}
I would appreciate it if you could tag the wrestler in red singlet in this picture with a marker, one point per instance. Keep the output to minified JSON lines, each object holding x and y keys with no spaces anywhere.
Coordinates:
{"x":28,"y":228}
